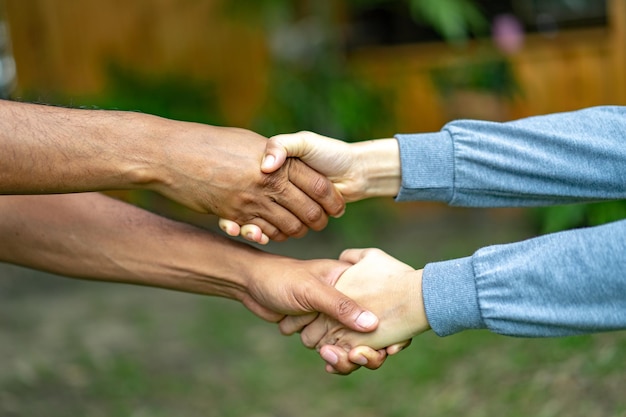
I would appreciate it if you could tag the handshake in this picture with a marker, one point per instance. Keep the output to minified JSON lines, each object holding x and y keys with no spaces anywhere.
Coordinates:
{"x":387,"y":287}
{"x":355,"y":310}
{"x":364,"y":306}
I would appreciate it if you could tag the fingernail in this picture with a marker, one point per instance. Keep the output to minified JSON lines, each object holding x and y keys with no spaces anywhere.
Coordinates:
{"x":268,"y":161}
{"x":330,"y":357}
{"x":360,"y":360}
{"x":366,"y":320}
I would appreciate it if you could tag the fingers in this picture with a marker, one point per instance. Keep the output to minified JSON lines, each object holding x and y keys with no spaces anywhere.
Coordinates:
{"x":275,"y":156}
{"x":305,"y":202}
{"x":251,"y":230}
{"x":395,"y":348}
{"x":279,"y":147}
{"x":319,"y":333}
{"x":253,"y":233}
{"x":338,"y":361}
{"x":306,"y":213}
{"x":293,"y":324}
{"x":368,"y":357}
{"x":310,"y":196}
{"x":299,"y":198}
{"x":229,"y":227}
{"x":328,"y":300}
{"x":319,"y":189}
{"x":353,"y":256}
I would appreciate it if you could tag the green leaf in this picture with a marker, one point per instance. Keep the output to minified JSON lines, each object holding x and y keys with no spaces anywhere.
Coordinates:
{"x":454,"y":20}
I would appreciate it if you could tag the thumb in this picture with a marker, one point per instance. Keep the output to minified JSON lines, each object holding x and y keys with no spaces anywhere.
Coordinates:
{"x":354,"y":256}
{"x":333,"y":303}
{"x":279,"y":147}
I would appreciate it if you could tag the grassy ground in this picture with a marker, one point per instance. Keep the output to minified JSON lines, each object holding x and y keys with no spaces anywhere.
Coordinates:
{"x":73,"y":348}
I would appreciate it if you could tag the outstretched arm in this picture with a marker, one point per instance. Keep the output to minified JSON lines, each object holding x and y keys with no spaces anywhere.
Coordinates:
{"x":560,"y":284}
{"x":92,"y":236}
{"x":543,"y":160}
{"x":211,"y":169}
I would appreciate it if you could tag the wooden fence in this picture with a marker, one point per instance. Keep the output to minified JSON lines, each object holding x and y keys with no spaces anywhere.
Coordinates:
{"x":64,"y":45}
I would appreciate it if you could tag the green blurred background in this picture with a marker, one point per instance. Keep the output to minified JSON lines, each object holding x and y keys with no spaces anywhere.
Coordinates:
{"x":350,"y":69}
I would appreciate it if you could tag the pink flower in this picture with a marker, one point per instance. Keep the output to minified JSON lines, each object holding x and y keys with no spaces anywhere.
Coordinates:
{"x":508,"y":33}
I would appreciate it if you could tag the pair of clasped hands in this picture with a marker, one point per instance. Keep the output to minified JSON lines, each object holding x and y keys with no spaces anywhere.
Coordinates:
{"x":385,"y":286}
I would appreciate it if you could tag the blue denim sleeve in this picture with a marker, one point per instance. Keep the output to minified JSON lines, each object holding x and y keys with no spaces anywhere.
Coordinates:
{"x":560,"y":284}
{"x":544,"y":160}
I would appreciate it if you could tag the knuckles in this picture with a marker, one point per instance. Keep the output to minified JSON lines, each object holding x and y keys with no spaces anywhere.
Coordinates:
{"x":345,"y":307}
{"x":321,"y":187}
{"x":316,"y":217}
{"x":308,"y":340}
{"x":275,"y":182}
{"x":294,"y":229}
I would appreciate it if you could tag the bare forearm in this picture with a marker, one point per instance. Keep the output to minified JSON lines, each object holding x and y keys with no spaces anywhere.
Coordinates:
{"x":92,"y":236}
{"x":210,"y":169}
{"x":49,"y":149}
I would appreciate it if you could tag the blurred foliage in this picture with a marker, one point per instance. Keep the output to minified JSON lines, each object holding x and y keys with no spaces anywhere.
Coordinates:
{"x":554,"y":219}
{"x":323,"y":98}
{"x":173,"y":96}
{"x":454,"y":20}
{"x":312,"y":86}
{"x":489,"y":75}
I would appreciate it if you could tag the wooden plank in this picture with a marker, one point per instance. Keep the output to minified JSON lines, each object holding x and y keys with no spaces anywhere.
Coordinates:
{"x":617,"y":13}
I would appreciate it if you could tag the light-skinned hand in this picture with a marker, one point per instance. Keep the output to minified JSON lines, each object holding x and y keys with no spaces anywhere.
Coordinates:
{"x":390,"y":289}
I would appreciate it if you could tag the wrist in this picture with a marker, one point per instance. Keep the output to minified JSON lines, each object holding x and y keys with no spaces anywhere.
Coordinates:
{"x":379,"y":167}
{"x":145,"y":148}
{"x":418,"y":321}
{"x":211,"y":265}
